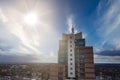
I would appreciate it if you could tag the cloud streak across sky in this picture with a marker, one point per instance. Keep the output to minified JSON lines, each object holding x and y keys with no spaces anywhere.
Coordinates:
{"x":18,"y":40}
{"x":99,"y":20}
{"x":109,"y":29}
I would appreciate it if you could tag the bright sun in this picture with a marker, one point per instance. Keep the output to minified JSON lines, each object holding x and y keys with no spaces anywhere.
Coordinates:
{"x":31,"y":18}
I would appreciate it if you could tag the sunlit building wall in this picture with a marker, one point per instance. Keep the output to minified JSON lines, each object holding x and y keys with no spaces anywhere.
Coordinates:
{"x":57,"y":72}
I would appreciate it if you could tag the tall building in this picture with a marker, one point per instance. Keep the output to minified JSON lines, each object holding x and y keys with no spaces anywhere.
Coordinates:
{"x":76,"y":57}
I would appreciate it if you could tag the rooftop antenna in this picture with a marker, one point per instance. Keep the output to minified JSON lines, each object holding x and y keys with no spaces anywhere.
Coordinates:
{"x":72,"y":29}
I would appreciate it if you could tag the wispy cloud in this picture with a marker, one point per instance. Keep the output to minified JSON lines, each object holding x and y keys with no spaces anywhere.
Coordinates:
{"x":18,"y":39}
{"x":108,"y":20}
{"x":2,"y":16}
{"x":71,"y":23}
{"x":108,"y":29}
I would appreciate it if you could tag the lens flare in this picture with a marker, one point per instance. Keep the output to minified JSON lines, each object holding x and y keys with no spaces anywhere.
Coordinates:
{"x":31,"y":18}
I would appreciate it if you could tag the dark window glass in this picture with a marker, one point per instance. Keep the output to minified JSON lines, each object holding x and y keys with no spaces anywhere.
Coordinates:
{"x":81,"y":51}
{"x":70,"y":37}
{"x":82,"y":74}
{"x":82,"y":65}
{"x":81,"y":60}
{"x":70,"y":54}
{"x":71,"y":68}
{"x":82,"y":69}
{"x":81,"y":43}
{"x":71,"y":73}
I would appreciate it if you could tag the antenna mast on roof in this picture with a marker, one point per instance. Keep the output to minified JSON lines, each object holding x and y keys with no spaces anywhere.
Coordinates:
{"x":72,"y":29}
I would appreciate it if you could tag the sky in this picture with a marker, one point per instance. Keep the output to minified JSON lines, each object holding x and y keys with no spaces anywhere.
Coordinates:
{"x":21,"y":41}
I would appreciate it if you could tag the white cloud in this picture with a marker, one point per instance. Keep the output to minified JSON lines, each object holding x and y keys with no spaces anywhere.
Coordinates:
{"x":106,"y":59}
{"x":2,"y":16}
{"x":70,"y":23}
{"x":117,"y":44}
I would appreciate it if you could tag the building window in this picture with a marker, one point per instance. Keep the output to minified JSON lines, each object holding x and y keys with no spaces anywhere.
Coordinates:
{"x":71,"y":59}
{"x":70,"y":50}
{"x":82,"y":69}
{"x":81,"y":60}
{"x":70,"y":45}
{"x":71,"y":68}
{"x":70,"y":41}
{"x":81,"y":43}
{"x":81,"y":51}
{"x":71,"y":73}
{"x":70,"y":37}
{"x":70,"y":54}
{"x":82,"y":65}
{"x":82,"y":74}
{"x":82,"y":56}
{"x":70,"y":63}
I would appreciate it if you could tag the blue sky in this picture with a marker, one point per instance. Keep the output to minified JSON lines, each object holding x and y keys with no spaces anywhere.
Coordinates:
{"x":98,"y":20}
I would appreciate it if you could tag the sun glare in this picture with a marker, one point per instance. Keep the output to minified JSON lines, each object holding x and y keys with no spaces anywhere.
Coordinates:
{"x":31,"y":18}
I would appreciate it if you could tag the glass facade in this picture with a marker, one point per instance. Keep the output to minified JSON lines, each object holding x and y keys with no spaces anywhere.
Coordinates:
{"x":62,"y":59}
{"x":80,"y":42}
